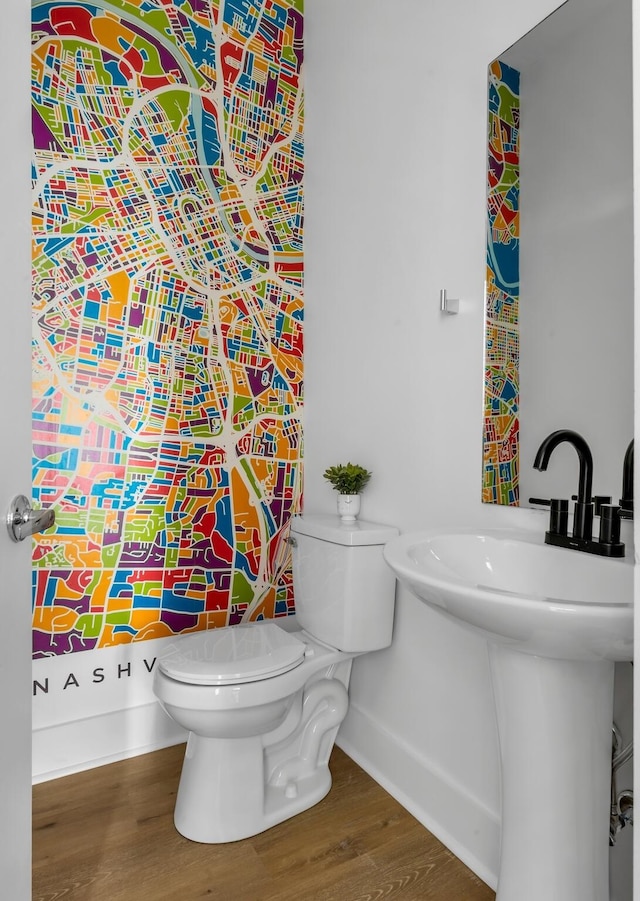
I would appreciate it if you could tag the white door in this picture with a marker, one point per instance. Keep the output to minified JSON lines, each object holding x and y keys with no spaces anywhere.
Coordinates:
{"x":15,"y":453}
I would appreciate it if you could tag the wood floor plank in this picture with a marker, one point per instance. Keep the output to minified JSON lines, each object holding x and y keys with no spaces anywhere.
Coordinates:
{"x":108,"y":835}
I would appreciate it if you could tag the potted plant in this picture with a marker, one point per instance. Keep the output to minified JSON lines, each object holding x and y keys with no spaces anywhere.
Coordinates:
{"x":348,"y":480}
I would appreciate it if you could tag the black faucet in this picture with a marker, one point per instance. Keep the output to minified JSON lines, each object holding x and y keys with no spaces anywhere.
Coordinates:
{"x":626,"y":501}
{"x":609,"y":544}
{"x":583,"y":510}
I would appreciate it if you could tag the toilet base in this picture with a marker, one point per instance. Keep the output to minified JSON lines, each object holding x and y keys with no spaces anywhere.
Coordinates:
{"x":221,"y":788}
{"x":232,"y":788}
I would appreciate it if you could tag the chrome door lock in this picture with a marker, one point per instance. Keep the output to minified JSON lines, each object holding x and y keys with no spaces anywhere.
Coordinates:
{"x":23,"y":520}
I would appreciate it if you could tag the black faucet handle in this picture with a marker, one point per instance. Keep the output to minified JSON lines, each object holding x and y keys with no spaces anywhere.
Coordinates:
{"x":609,"y":524}
{"x":559,"y":520}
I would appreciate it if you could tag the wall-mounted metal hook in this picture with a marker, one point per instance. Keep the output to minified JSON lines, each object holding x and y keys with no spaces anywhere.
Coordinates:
{"x":448,"y":304}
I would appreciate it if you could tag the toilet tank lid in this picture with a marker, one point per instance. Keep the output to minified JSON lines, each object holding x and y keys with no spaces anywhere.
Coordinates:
{"x":330,"y":528}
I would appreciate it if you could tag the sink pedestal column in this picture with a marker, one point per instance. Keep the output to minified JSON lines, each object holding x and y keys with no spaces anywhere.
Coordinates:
{"x":554,"y":721}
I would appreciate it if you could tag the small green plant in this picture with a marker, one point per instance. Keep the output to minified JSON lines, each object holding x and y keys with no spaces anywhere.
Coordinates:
{"x":347,"y":479}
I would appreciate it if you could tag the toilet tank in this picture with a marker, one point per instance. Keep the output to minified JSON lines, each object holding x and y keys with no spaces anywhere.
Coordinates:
{"x":344,"y":591}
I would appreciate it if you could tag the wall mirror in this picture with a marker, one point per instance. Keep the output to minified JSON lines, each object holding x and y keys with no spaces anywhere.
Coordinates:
{"x":559,"y":290}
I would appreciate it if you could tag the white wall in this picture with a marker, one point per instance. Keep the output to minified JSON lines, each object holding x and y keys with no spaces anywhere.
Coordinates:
{"x":576,"y":310}
{"x":395,"y":211}
{"x":92,"y":708}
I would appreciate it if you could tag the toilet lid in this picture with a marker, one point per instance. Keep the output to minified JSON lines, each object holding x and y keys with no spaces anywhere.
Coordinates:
{"x":232,"y":655}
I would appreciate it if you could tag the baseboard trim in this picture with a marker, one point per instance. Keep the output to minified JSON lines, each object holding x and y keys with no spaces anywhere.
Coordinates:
{"x":469,"y":829}
{"x":82,"y":744}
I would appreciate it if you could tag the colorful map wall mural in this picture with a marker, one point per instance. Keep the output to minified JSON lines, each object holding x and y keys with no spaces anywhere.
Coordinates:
{"x":167,"y":354}
{"x":502,"y":351}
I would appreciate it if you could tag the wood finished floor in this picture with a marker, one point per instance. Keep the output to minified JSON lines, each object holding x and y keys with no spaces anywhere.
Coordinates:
{"x":107,"y":835}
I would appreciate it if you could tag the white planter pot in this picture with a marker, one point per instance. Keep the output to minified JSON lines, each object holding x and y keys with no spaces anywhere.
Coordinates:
{"x":348,"y":507}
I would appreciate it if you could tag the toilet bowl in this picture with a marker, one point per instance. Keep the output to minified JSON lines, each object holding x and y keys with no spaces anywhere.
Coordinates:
{"x":262,"y":704}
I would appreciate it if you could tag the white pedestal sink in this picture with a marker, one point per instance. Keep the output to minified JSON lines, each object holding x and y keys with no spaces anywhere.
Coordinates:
{"x":556,"y":620}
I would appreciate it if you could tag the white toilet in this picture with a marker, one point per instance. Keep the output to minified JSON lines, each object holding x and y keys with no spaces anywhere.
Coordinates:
{"x":263,"y":705}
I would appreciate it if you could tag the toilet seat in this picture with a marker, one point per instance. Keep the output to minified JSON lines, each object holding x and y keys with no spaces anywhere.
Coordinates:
{"x":232,"y":655}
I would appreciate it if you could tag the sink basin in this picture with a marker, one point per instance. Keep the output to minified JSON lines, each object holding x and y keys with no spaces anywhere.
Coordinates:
{"x":515,"y":589}
{"x":556,"y":620}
